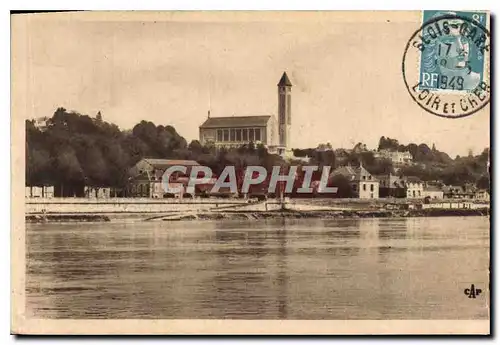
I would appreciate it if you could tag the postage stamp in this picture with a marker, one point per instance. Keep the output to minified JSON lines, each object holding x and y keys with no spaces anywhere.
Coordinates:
{"x":451,"y":50}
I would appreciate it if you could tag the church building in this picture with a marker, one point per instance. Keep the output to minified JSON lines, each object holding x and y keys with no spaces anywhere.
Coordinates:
{"x":234,"y":131}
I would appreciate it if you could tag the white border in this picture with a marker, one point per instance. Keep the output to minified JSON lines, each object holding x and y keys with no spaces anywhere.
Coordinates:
{"x":191,"y":5}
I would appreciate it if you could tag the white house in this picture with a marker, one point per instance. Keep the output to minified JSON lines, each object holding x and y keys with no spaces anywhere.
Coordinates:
{"x":364,"y":185}
{"x":414,"y":187}
{"x":482,"y":194}
{"x":433,"y":192}
{"x":396,"y":157}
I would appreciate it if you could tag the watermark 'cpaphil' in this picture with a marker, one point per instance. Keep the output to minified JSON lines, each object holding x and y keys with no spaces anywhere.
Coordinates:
{"x":254,"y":175}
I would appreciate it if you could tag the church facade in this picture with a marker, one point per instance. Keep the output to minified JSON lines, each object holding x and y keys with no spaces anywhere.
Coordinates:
{"x":234,"y":131}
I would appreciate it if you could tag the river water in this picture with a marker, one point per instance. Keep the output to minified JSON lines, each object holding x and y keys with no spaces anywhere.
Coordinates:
{"x":414,"y":268}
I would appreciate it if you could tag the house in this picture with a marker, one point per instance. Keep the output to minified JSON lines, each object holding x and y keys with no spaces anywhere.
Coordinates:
{"x":458,"y":192}
{"x":414,"y":187}
{"x":152,"y":164}
{"x":364,"y":185}
{"x":482,"y":194}
{"x":433,"y":192}
{"x":391,"y":186}
{"x":396,"y":157}
{"x":39,"y":191}
{"x":97,"y":192}
{"x":146,"y":177}
{"x":41,"y":123}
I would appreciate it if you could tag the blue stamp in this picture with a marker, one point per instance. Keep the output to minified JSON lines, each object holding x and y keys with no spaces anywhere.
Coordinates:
{"x":453,"y":60}
{"x":446,"y":63}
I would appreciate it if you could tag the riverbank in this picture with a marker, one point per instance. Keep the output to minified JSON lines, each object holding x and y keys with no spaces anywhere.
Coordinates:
{"x":324,"y":214}
{"x":276,"y":214}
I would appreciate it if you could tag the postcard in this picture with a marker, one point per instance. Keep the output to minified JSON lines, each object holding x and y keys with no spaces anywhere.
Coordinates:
{"x":221,"y":172}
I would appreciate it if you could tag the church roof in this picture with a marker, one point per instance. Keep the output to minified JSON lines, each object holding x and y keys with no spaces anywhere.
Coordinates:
{"x":236,"y":121}
{"x":284,"y":81}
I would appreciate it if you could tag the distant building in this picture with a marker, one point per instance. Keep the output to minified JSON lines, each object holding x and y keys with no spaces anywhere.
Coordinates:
{"x":39,"y":191}
{"x":458,"y":192}
{"x":304,"y":160}
{"x":482,"y":194}
{"x":97,"y":192}
{"x":433,"y":192}
{"x":146,"y":177}
{"x":396,"y":157}
{"x":342,"y":153}
{"x":41,"y":123}
{"x":364,"y":185}
{"x":391,"y":186}
{"x":414,"y":187}
{"x":235,"y":131}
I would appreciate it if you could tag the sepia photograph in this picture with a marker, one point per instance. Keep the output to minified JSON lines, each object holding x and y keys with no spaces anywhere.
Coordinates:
{"x":251,"y":172}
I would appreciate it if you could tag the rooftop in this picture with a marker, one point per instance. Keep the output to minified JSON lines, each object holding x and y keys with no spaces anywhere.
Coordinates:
{"x":432,"y":188}
{"x":165,"y":163}
{"x":284,"y":81}
{"x":236,"y":121}
{"x":352,"y":173}
{"x":413,"y":179}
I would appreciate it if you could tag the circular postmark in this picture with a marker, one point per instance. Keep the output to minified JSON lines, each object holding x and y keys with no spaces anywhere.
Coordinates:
{"x":446,"y":65}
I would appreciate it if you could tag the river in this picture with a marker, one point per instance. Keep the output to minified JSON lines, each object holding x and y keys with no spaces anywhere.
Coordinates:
{"x":409,"y":268}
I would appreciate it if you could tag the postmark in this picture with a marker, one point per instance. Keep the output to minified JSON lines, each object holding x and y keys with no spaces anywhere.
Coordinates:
{"x":446,"y":63}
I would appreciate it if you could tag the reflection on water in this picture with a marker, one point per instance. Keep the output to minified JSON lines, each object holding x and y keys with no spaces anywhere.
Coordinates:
{"x":414,"y":268}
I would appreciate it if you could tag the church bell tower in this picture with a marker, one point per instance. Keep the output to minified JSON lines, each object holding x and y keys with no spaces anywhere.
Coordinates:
{"x":284,"y":112}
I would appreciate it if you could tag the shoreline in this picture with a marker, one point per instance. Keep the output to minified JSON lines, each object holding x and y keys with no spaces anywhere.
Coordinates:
{"x":257,"y":215}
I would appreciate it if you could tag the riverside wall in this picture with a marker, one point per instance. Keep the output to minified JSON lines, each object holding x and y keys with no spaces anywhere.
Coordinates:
{"x":147,"y":205}
{"x":124,"y":205}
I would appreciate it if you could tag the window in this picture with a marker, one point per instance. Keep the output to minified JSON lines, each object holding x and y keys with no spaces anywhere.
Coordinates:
{"x":354,"y":187}
{"x":245,"y":134}
{"x":257,"y":134}
{"x":233,"y":134}
{"x":226,"y":135}
{"x":364,"y":186}
{"x":219,"y":135}
{"x":364,"y":177}
{"x":251,"y":134}
{"x":369,"y":177}
{"x":238,"y":135}
{"x":419,"y":193}
{"x":371,"y":187}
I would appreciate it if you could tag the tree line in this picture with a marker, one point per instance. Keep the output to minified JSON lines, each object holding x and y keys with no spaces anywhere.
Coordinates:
{"x":76,"y":149}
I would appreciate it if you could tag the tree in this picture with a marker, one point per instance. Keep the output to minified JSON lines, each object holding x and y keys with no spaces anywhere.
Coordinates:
{"x":195,"y":147}
{"x":483,"y":182}
{"x":388,"y":144}
{"x":344,"y":187}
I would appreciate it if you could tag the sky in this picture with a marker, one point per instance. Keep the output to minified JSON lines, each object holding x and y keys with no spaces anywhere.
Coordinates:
{"x":170,"y":68}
